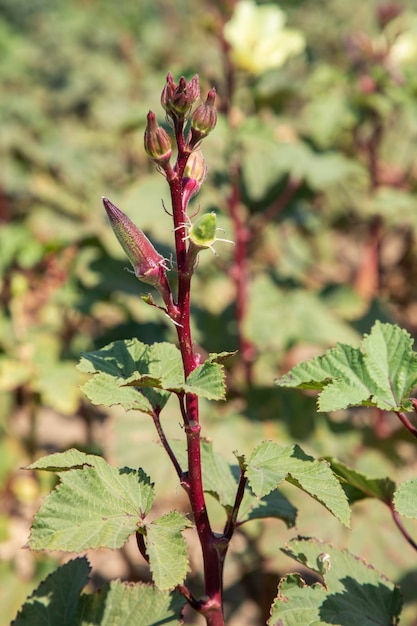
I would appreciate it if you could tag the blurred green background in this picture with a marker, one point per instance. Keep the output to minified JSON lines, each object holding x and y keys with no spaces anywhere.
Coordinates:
{"x":320,"y":150}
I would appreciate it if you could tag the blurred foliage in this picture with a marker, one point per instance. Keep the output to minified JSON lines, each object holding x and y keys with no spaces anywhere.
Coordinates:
{"x":321,"y":153}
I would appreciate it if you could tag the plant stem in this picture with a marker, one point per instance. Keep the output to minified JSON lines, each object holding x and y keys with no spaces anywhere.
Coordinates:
{"x":409,"y":426}
{"x":193,"y":481}
{"x":231,"y":522}
{"x":166,"y":445}
{"x":240,"y":274}
{"x":401,"y":527}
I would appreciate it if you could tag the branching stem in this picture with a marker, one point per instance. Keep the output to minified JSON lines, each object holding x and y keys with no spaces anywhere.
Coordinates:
{"x":400,"y":526}
{"x":231,"y":521}
{"x":409,"y":426}
{"x":166,"y":445}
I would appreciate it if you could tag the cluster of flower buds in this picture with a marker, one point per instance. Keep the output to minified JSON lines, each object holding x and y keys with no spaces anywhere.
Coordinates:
{"x":177,"y":100}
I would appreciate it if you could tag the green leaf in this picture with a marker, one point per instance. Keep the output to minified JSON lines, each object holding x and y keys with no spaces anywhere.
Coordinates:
{"x":270,"y":464}
{"x":405,"y":498}
{"x":221,"y":357}
{"x":108,"y":391}
{"x":274,"y":504}
{"x":382,"y":372}
{"x":130,"y":605}
{"x":167,"y":550}
{"x":70,"y":459}
{"x":297,"y":604}
{"x":152,"y":370}
{"x":119,"y":364}
{"x":58,"y":600}
{"x":95,"y":505}
{"x":220,"y":479}
{"x":55,"y":601}
{"x":162,"y":364}
{"x":354,"y":593}
{"x":207,"y":381}
{"x":358,"y":486}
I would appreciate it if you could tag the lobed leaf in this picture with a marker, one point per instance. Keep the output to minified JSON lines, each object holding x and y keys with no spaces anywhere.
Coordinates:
{"x":220,"y":479}
{"x":271,"y":463}
{"x":353,"y":592}
{"x":70,"y":459}
{"x":139,"y":376}
{"x":382,"y":372}
{"x":118,"y":366}
{"x":167,"y":550}
{"x":107,"y":390}
{"x":95,"y":505}
{"x":124,"y":604}
{"x":207,"y":381}
{"x":405,"y":498}
{"x":58,"y":600}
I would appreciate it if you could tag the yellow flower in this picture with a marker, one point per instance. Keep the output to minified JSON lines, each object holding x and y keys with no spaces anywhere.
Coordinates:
{"x":258,"y":38}
{"x":401,"y":33}
{"x":404,"y":49}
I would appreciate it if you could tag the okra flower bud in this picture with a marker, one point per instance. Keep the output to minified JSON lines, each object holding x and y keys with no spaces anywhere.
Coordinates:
{"x":203,"y":119}
{"x":177,"y":100}
{"x":194,"y":175}
{"x":148,"y":264}
{"x":157,"y":141}
{"x":196,"y":167}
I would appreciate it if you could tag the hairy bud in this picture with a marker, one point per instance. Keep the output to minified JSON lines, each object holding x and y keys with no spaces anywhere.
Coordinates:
{"x":157,"y":141}
{"x":194,"y":175}
{"x":203,"y":119}
{"x":146,"y":261}
{"x":177,"y":100}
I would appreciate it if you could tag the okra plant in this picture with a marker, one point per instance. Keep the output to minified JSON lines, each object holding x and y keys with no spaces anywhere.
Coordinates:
{"x":97,"y":505}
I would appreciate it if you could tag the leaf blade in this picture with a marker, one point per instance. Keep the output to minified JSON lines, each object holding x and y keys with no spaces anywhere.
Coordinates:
{"x":55,"y":601}
{"x":405,"y":499}
{"x":95,"y":505}
{"x":381,"y":373}
{"x":354,"y":592}
{"x":167,"y":550}
{"x":270,"y":464}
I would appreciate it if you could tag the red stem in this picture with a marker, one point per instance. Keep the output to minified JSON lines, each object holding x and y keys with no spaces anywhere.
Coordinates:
{"x":166,"y":445}
{"x":409,"y":426}
{"x":240,"y":275}
{"x":231,"y":521}
{"x":400,"y":526}
{"x":211,"y":608}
